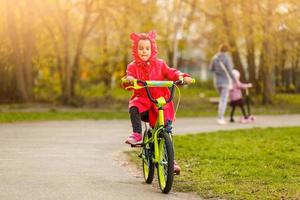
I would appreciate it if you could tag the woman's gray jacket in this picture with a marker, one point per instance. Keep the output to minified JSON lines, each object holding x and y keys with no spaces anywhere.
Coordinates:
{"x":220,"y":77}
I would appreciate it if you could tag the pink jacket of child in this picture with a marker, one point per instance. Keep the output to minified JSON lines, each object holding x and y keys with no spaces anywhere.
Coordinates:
{"x":153,"y":69}
{"x":236,"y":91}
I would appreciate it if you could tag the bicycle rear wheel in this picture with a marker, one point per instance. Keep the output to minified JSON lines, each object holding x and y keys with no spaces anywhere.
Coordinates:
{"x":165,"y":167}
{"x":147,"y":163}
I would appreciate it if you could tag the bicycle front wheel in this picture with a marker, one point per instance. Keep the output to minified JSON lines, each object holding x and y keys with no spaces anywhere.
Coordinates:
{"x":165,"y":167}
{"x":147,"y":154}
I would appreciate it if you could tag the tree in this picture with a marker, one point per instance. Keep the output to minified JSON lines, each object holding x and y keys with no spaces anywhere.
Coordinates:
{"x":55,"y":49}
{"x":88,"y":13}
{"x":20,"y":34}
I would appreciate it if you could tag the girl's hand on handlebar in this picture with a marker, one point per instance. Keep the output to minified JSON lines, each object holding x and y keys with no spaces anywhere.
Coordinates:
{"x":188,"y":80}
{"x":129,"y":79}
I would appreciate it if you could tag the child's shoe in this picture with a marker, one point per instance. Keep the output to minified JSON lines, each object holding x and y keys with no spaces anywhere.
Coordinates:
{"x":246,"y":120}
{"x":221,"y":121}
{"x":176,"y":168}
{"x":252,"y":118}
{"x":232,"y":120}
{"x":134,"y":138}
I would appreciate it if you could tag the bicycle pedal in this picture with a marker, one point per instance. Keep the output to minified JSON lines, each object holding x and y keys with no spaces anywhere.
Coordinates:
{"x":137,"y":145}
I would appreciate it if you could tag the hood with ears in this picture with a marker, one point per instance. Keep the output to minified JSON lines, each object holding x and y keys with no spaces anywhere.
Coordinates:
{"x":135,"y":38}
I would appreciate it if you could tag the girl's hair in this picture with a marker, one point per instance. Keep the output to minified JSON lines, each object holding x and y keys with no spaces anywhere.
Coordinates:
{"x":223,"y":47}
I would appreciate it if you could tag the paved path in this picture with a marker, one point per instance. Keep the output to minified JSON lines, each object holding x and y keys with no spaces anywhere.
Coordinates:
{"x":73,"y":160}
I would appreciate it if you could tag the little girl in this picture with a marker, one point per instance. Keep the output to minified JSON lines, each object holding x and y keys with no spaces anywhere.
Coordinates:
{"x":236,"y":97}
{"x":146,"y":66}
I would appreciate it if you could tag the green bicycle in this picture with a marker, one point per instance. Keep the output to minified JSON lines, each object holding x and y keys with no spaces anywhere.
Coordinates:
{"x":157,"y":147}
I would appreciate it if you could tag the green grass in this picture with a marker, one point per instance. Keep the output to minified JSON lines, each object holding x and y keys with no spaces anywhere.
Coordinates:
{"x":186,"y":109}
{"x":244,"y":164}
{"x":194,"y":103}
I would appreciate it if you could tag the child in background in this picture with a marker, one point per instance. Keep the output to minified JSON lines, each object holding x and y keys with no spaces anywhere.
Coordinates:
{"x":147,"y":67}
{"x":236,"y":96}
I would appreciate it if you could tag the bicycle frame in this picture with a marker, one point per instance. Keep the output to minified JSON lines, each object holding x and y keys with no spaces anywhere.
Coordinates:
{"x":159,"y":102}
{"x":162,"y":144}
{"x":159,"y":126}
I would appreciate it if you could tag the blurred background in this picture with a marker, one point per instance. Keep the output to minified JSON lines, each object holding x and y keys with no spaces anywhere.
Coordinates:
{"x":74,"y":52}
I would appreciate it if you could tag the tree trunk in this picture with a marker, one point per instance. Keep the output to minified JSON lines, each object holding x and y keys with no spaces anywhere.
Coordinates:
{"x":80,"y":44}
{"x":247,"y":8}
{"x":251,"y":60}
{"x":66,"y":93}
{"x":259,"y":85}
{"x":29,"y":47}
{"x":237,"y":59}
{"x":178,"y":25}
{"x":282,"y":57}
{"x":231,"y":39}
{"x":16,"y":52}
{"x":268,"y":89}
{"x":295,"y":68}
{"x":85,"y":31}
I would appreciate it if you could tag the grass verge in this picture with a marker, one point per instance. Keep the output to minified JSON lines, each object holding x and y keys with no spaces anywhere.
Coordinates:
{"x":17,"y":115}
{"x":243,"y":164}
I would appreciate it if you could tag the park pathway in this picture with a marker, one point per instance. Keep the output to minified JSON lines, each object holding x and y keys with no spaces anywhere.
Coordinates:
{"x":77,"y":160}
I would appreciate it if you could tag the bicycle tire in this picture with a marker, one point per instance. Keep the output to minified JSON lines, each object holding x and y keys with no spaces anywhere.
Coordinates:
{"x":147,"y":163}
{"x":165,"y":167}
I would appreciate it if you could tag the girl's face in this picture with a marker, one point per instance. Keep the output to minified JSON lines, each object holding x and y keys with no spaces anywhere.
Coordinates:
{"x":144,"y":49}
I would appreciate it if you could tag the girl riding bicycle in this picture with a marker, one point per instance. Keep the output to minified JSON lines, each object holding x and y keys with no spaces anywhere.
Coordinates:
{"x":147,"y":67}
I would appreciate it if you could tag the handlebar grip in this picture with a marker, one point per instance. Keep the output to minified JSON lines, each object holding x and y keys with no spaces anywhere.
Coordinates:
{"x":181,"y":81}
{"x":124,"y":80}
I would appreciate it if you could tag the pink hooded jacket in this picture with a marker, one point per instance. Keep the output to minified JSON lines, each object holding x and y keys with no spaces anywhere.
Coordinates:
{"x":152,"y":69}
{"x":236,"y":91}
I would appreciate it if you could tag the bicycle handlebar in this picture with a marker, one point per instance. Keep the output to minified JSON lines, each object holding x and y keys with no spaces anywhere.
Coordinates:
{"x":148,"y":84}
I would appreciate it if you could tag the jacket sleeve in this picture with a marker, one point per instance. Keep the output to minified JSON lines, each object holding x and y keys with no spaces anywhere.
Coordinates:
{"x":171,"y":73}
{"x":130,"y":71}
{"x":242,"y":85}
